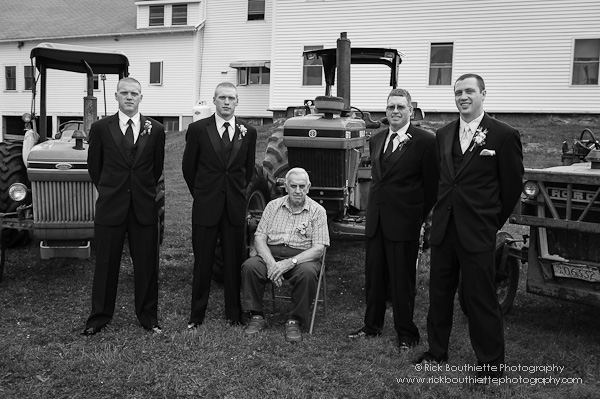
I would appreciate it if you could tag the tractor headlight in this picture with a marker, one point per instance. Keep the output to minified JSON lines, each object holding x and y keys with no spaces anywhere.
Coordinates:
{"x":18,"y":192}
{"x":26,"y":117}
{"x":531,"y":189}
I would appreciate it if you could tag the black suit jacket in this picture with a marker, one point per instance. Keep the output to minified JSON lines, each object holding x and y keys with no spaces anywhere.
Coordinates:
{"x":213,"y":182}
{"x":401,"y":198}
{"x":484,"y":190}
{"x":120,"y":182}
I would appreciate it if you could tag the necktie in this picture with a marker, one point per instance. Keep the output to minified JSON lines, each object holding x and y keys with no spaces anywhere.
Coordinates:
{"x":465,"y":138}
{"x":129,"y":132}
{"x":390,"y":147}
{"x":225,"y":137}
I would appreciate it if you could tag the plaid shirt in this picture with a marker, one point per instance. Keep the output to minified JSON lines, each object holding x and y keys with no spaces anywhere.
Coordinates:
{"x":300,"y":230}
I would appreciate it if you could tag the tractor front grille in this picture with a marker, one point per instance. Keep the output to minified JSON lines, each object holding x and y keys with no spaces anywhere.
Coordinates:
{"x":63,"y":201}
{"x":326,"y":167}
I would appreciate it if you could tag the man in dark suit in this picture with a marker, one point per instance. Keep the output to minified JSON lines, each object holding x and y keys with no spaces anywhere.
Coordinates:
{"x":404,"y":178}
{"x":481,"y":170}
{"x":217,"y":165}
{"x":125,"y":161}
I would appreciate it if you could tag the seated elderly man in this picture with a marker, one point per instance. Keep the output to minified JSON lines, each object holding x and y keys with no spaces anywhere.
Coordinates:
{"x":290,"y":239}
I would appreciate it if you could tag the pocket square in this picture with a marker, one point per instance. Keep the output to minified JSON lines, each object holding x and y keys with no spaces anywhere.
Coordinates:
{"x":487,"y":153}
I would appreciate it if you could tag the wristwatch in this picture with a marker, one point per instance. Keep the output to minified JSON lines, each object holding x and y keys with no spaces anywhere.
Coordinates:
{"x":294,"y":261}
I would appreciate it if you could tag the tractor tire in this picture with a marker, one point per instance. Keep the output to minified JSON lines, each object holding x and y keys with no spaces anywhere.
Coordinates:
{"x":12,"y":170}
{"x":275,"y":164}
{"x":257,"y":196}
{"x":507,"y":281}
{"x":160,"y":202}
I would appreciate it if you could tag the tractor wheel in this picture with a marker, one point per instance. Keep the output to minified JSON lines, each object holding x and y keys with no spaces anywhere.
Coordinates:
{"x":507,"y":277}
{"x":160,"y":202}
{"x":275,"y":164}
{"x":257,"y":196}
{"x":12,"y":170}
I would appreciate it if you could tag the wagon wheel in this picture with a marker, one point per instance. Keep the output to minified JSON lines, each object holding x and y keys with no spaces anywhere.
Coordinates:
{"x":507,"y":276}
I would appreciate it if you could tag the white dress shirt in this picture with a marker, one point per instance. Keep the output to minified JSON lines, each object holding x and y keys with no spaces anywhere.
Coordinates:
{"x":123,"y":119}
{"x":220,"y":121}
{"x":401,"y":134}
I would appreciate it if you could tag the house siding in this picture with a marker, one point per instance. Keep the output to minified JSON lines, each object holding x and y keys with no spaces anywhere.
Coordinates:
{"x":174,"y":98}
{"x":523,"y":50}
{"x":228,"y":37}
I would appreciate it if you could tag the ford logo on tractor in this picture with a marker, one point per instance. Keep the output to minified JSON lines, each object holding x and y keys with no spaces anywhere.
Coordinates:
{"x":63,"y":166}
{"x":576,"y":195}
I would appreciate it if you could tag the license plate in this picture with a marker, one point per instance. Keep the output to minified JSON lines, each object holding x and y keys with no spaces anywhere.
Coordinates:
{"x":581,"y":272}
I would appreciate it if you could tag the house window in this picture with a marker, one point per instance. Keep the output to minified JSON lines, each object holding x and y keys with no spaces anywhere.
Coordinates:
{"x":179,"y":14}
{"x":256,"y":10}
{"x":156,"y":70}
{"x":585,"y":62}
{"x":157,"y":15}
{"x":254,"y":76}
{"x":440,"y":64}
{"x":10,"y":74}
{"x":28,"y":77}
{"x":312,"y":70}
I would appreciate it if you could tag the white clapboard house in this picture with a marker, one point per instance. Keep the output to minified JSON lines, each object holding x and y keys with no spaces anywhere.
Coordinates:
{"x":537,"y":56}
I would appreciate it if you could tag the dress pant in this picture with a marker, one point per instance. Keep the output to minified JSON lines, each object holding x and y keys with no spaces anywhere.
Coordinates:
{"x":303,"y":278}
{"x":391,"y":265}
{"x":143,"y":248}
{"x":204,"y":241}
{"x":449,"y":260}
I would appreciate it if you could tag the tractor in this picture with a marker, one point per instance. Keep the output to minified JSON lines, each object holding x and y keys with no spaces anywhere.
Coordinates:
{"x":561,"y":206}
{"x":45,"y":187}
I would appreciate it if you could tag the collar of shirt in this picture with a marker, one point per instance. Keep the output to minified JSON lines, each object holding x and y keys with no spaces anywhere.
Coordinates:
{"x":401,"y":134}
{"x":286,"y":204}
{"x":473,"y":125}
{"x":220,"y":121}
{"x":123,"y":119}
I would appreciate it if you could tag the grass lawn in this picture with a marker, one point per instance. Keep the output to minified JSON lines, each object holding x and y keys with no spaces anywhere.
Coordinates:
{"x":44,"y":304}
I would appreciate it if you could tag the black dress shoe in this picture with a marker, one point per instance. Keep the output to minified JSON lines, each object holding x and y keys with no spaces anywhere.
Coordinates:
{"x":427,"y":358}
{"x":362,"y":334}
{"x":406,"y":346}
{"x":89,"y":331}
{"x":192,"y":326}
{"x":155,"y":329}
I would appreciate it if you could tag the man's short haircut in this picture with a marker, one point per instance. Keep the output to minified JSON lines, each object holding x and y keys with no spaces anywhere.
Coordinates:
{"x":401,"y":93}
{"x":225,"y":84}
{"x":297,"y":171}
{"x":129,"y":80}
{"x":480,"y":82}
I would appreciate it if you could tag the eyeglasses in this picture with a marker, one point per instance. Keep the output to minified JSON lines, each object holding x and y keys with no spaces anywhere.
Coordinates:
{"x":394,"y":107}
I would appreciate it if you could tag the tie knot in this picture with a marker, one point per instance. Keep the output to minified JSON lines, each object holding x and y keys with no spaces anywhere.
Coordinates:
{"x":226,"y":125}
{"x":130,"y":122}
{"x":393,"y":136}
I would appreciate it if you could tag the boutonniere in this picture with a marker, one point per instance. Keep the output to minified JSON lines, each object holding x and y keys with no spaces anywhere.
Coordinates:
{"x":243,"y":131}
{"x":403,"y":141}
{"x":147,"y":128}
{"x":479,"y":138}
{"x":301,"y":229}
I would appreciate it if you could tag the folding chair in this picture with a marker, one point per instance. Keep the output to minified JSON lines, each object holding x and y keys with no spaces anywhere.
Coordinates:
{"x":321,"y":284}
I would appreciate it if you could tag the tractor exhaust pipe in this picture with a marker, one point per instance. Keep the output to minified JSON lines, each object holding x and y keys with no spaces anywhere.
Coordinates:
{"x":343,"y":61}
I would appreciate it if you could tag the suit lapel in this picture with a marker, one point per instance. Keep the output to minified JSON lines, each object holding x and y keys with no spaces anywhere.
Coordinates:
{"x":141,"y":141}
{"x":237,"y":143}
{"x":117,"y":134}
{"x":396,"y":155}
{"x":449,"y":136}
{"x":468,"y":156}
{"x":215,"y":140}
{"x":377,"y":156}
